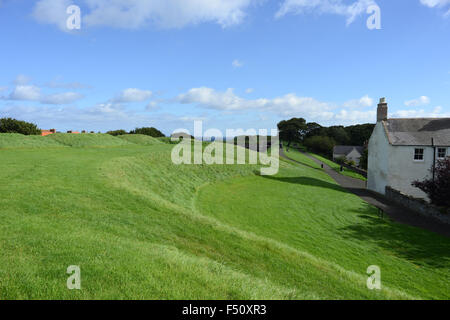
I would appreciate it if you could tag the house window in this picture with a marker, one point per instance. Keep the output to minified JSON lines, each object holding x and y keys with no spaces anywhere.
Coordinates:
{"x":442,"y":153}
{"x":418,"y":154}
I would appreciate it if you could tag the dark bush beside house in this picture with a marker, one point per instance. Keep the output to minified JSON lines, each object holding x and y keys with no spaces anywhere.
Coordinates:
{"x":153,"y":132}
{"x":9,"y":125}
{"x":117,"y":132}
{"x":437,"y":189}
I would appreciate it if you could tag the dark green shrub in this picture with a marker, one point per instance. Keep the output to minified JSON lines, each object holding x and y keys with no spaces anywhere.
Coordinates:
{"x":117,"y":132}
{"x":9,"y":125}
{"x":152,"y":132}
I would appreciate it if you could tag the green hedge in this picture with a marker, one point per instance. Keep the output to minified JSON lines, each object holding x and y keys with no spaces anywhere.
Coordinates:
{"x":9,"y":125}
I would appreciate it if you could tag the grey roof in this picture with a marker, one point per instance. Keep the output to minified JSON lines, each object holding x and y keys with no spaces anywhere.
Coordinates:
{"x":345,"y":150}
{"x":418,"y":132}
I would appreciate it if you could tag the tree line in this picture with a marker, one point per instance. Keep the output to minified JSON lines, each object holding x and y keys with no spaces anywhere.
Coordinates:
{"x":10,"y":125}
{"x":322,"y":139}
{"x":148,"y":131}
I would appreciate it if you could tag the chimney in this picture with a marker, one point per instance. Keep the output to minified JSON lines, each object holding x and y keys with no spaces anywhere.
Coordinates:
{"x":382,"y":110}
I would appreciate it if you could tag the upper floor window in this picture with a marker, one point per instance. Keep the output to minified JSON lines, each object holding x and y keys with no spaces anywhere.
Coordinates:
{"x":442,"y":153}
{"x":418,"y":154}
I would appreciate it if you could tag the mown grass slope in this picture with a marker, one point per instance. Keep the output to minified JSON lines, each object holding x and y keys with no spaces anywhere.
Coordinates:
{"x":141,"y":227}
{"x":15,"y":140}
{"x":140,"y":139}
{"x":87,"y":140}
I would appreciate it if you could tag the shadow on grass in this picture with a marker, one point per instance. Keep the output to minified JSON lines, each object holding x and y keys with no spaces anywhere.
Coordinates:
{"x":307,"y":181}
{"x":414,"y":244}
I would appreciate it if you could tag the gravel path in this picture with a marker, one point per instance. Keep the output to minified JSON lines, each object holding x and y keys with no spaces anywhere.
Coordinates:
{"x":394,"y":211}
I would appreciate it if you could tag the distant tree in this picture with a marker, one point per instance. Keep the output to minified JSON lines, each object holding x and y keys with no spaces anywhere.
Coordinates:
{"x":9,"y":125}
{"x":438,"y":190}
{"x":298,"y":130}
{"x":359,"y":134}
{"x":322,"y":145}
{"x":311,"y":128}
{"x":153,"y":132}
{"x":292,"y":130}
{"x":339,"y":134}
{"x":117,"y":132}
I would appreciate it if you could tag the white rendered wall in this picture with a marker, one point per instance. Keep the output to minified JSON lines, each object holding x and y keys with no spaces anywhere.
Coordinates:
{"x":377,"y":169}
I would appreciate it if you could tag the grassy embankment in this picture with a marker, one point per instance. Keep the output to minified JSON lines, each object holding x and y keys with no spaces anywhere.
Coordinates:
{"x":141,"y":227}
{"x":337,"y":167}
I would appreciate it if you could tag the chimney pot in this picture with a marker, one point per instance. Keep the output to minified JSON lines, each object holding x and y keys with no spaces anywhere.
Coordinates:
{"x":382,"y":111}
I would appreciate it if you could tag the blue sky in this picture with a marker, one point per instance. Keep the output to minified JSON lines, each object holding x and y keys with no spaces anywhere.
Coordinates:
{"x":231,"y":63}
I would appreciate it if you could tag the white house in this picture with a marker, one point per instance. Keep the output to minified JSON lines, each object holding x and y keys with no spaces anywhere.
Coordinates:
{"x":351,"y":153}
{"x":404,"y":150}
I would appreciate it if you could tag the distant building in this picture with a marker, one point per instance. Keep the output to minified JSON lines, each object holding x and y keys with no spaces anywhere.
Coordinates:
{"x":47,"y":132}
{"x":404,"y":150}
{"x":350,"y":153}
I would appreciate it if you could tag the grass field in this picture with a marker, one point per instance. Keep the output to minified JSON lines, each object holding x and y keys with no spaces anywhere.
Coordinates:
{"x":15,"y":140}
{"x":141,"y":227}
{"x":140,"y":139}
{"x":86,"y":140}
{"x":300,"y":157}
{"x":336,"y":167}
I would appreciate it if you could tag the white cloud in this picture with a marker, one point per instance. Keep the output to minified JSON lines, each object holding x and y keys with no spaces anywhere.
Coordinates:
{"x":192,"y":119}
{"x":58,"y":84}
{"x":93,"y":118}
{"x":213,"y":99}
{"x":421,"y":101}
{"x":289,"y":105}
{"x":237,"y":64}
{"x":152,"y":106}
{"x":133,"y":14}
{"x":338,"y":7}
{"x":355,"y":116}
{"x":22,"y":80}
{"x":26,"y":93}
{"x":62,"y":98}
{"x":421,"y":113}
{"x":52,"y":12}
{"x":435,"y":3}
{"x":33,"y":93}
{"x":133,"y":95}
{"x":100,"y":117}
{"x":249,"y":90}
{"x":363,"y":102}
